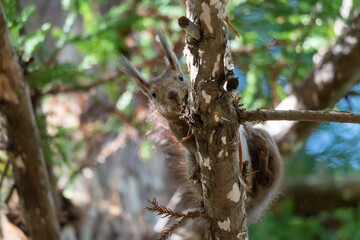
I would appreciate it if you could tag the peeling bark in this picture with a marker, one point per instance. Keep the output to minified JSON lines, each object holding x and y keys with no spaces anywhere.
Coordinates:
{"x":24,"y":144}
{"x":214,"y":119}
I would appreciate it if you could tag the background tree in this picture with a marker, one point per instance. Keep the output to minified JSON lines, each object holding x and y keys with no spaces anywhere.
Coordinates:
{"x":91,"y":118}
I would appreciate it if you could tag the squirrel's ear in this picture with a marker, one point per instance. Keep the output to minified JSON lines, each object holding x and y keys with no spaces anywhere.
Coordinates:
{"x":132,"y":72}
{"x":172,"y":60}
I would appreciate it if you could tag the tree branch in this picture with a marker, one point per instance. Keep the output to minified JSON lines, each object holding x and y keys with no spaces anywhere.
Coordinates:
{"x":261,"y":115}
{"x":26,"y":156}
{"x":213,"y":117}
{"x":193,"y":30}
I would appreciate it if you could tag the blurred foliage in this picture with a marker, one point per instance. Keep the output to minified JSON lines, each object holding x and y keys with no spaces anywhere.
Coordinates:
{"x":282,"y":38}
{"x":342,"y":224}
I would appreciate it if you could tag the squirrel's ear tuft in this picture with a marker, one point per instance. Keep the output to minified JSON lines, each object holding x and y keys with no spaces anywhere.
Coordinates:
{"x":171,"y":58}
{"x":132,"y":72}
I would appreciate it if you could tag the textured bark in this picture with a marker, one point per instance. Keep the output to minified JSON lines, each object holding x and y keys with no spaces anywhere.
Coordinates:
{"x":326,"y":85}
{"x":261,"y":115}
{"x":214,"y":122}
{"x":24,"y":144}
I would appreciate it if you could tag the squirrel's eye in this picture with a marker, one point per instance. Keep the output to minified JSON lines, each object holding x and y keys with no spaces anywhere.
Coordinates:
{"x":181,"y":78}
{"x":153,"y":94}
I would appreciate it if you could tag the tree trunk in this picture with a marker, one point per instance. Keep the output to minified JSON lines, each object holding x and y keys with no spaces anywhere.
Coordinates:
{"x":214,"y":120}
{"x":26,"y":156}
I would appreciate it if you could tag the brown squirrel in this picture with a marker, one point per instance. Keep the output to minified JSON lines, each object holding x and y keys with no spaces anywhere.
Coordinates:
{"x":168,"y":93}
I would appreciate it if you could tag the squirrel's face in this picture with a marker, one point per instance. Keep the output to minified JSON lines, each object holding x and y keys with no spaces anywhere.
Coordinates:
{"x":169,"y":92}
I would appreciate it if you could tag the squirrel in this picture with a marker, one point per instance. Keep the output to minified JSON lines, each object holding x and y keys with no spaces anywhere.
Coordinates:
{"x":167,"y":94}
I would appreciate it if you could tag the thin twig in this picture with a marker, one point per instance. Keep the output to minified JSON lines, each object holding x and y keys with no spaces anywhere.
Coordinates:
{"x":167,"y":212}
{"x":232,"y":27}
{"x":167,"y":232}
{"x":261,"y":115}
{"x":162,"y":210}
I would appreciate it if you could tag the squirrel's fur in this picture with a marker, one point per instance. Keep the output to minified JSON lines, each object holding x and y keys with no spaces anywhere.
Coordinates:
{"x":173,"y":153}
{"x":167,"y":94}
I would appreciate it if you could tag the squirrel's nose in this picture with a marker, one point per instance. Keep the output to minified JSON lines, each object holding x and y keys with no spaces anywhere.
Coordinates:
{"x":173,"y":95}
